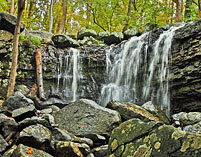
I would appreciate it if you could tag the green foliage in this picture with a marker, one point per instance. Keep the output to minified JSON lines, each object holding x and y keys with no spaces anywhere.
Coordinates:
{"x":100,"y":15}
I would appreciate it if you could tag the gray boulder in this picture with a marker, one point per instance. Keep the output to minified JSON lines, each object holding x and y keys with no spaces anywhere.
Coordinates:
{"x":41,"y":35}
{"x":39,"y":136}
{"x":111,"y":38}
{"x":8,"y":22}
{"x":131,"y":33}
{"x":16,"y":101}
{"x":86,"y":33}
{"x":62,"y":41}
{"x":86,"y":117}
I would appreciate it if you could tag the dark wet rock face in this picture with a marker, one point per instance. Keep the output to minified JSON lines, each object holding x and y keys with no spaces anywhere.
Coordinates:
{"x":185,"y":69}
{"x":87,"y":117}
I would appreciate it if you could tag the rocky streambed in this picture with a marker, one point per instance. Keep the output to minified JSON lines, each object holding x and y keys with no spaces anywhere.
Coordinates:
{"x":84,"y":128}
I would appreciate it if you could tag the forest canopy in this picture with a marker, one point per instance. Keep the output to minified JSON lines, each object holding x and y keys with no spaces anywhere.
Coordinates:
{"x":68,"y":16}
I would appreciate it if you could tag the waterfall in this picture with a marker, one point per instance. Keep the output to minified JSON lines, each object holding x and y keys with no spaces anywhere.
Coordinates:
{"x":137,"y":69}
{"x":69,"y":74}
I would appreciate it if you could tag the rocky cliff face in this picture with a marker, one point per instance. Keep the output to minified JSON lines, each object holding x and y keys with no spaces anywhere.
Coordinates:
{"x":185,"y":69}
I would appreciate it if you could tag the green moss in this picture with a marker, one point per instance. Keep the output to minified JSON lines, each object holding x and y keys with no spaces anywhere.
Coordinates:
{"x":185,"y":146}
{"x":157,"y":145}
{"x":178,"y":134}
{"x":114,"y":144}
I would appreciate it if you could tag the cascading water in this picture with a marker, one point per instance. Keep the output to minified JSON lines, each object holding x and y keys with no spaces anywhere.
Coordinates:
{"x":69,"y":74}
{"x":137,"y":69}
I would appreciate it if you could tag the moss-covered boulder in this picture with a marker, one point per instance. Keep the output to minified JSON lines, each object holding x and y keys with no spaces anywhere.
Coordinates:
{"x":131,"y":32}
{"x":25,"y":151}
{"x":140,"y":139}
{"x":62,"y":41}
{"x":111,"y":38}
{"x":86,"y":117}
{"x":86,"y":33}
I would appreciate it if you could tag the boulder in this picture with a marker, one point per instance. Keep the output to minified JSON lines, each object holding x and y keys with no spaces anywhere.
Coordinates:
{"x":91,"y":40}
{"x":129,"y":111}
{"x":194,"y":128}
{"x":67,"y":149}
{"x":25,"y":151}
{"x":187,"y":118}
{"x":7,"y":125}
{"x":3,"y":144}
{"x":39,"y":136}
{"x":63,"y":135}
{"x":33,"y":121}
{"x":86,"y":33}
{"x":22,"y":88}
{"x":53,"y":101}
{"x":111,"y":38}
{"x":8,"y":22}
{"x":24,"y":112}
{"x":43,"y":36}
{"x":131,"y":33}
{"x":86,"y":117}
{"x":149,"y":106}
{"x":149,"y":27}
{"x":137,"y":138}
{"x":16,"y":101}
{"x":62,"y":41}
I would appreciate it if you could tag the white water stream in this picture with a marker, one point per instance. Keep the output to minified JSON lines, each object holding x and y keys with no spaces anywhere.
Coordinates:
{"x":133,"y":72}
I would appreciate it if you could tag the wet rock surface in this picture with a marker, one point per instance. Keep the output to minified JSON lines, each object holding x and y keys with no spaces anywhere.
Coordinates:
{"x":185,"y":69}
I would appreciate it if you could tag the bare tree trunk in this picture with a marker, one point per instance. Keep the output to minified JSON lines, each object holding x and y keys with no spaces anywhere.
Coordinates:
{"x":187,"y":10}
{"x":12,"y":6}
{"x":128,"y":16}
{"x":88,"y":13}
{"x":39,"y":73}
{"x":134,"y":5}
{"x":179,"y":8}
{"x":30,"y":13}
{"x":63,"y":18}
{"x":199,"y":7}
{"x":51,"y":15}
{"x":11,"y":85}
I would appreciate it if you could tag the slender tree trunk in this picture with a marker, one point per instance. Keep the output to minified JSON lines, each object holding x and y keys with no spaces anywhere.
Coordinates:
{"x":63,"y":18}
{"x":199,"y":7}
{"x":179,"y":8}
{"x":12,"y":6}
{"x":51,"y":15}
{"x":11,"y":85}
{"x":187,"y":10}
{"x":172,"y":11}
{"x":134,"y":5}
{"x":88,"y":13}
{"x":30,"y":13}
{"x":39,"y":73}
{"x":128,"y":15}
